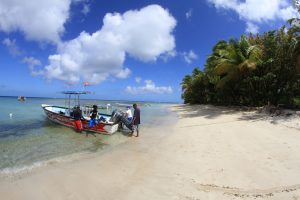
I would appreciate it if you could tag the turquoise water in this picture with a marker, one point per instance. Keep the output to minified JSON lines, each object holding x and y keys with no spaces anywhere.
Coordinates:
{"x":28,"y":137}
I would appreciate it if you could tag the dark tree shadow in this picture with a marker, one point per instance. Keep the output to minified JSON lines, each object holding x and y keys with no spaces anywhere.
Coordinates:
{"x":246,"y":113}
{"x":206,"y":111}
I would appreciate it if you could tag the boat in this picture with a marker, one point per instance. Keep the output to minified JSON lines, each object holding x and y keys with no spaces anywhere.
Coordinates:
{"x":62,"y":115}
{"x":21,"y":98}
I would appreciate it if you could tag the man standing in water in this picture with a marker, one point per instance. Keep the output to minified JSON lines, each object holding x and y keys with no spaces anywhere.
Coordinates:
{"x":136,"y":119}
{"x":77,"y":115}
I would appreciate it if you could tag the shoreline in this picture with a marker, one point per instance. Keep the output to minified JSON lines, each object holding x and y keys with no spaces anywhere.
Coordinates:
{"x":11,"y":173}
{"x":209,"y":153}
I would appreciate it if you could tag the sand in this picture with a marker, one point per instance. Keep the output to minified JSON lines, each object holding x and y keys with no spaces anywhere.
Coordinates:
{"x":209,"y":153}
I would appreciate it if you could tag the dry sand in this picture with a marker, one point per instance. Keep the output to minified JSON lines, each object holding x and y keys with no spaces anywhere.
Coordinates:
{"x":210,"y":153}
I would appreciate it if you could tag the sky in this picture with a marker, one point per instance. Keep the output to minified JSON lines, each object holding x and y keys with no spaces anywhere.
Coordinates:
{"x":136,"y":50}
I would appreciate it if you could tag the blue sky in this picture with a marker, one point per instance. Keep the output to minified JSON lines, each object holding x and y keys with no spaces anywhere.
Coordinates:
{"x":128,"y":50}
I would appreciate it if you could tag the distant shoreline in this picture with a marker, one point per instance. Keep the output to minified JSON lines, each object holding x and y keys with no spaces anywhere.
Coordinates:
{"x":118,"y":100}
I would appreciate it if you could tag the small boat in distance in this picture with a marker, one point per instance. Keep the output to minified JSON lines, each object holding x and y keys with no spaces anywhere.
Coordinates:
{"x":21,"y":98}
{"x":123,"y":105}
{"x":63,"y":114}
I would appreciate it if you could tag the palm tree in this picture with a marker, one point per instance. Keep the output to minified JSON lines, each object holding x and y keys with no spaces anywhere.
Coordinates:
{"x":194,"y":87}
{"x":235,"y":59}
{"x":186,"y":86}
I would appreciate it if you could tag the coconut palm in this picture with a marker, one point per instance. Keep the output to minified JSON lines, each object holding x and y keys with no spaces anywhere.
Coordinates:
{"x":186,"y":86}
{"x":236,"y":59}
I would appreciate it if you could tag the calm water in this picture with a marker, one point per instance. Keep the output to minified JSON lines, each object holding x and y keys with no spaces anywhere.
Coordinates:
{"x":29,"y":138}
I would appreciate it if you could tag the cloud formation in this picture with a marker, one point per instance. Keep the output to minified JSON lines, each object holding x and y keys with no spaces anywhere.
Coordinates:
{"x":12,"y":47}
{"x":256,"y":12}
{"x":38,"y":20}
{"x":138,"y":79}
{"x":188,"y":14}
{"x":32,"y":64}
{"x":85,"y":9}
{"x":149,"y":87}
{"x":189,"y":56}
{"x":144,"y":34}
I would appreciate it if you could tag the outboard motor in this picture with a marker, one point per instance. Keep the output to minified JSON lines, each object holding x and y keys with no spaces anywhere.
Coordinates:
{"x":118,"y":117}
{"x":115,"y":116}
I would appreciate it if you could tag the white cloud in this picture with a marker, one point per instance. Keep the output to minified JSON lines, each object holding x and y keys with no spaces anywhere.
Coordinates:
{"x":251,"y":28}
{"x":138,"y":79}
{"x":38,"y":20}
{"x":12,"y":47}
{"x":149,"y":87}
{"x":85,"y":9}
{"x":188,"y":14}
{"x":31,"y":61}
{"x":256,"y":12}
{"x":144,"y":34}
{"x":189,"y":56}
{"x":124,"y":73}
{"x":32,"y":64}
{"x":168,"y":55}
{"x":288,"y":13}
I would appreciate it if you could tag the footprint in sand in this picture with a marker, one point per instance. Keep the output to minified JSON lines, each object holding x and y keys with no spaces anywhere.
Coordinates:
{"x":238,"y":192}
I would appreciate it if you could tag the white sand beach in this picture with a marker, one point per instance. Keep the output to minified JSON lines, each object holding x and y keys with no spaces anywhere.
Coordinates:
{"x":209,"y":153}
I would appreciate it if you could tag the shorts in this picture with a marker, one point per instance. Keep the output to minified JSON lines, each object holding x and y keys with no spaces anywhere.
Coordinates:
{"x":92,"y":123}
{"x":78,"y":125}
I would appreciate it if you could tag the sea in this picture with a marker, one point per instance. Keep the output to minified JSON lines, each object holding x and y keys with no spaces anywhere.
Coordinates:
{"x":29,"y":140}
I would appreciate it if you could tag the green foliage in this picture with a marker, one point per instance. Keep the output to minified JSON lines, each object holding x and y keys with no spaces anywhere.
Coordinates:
{"x":253,"y":71}
{"x":296,"y":101}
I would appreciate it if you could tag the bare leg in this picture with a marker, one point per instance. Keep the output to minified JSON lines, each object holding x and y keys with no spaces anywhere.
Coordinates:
{"x":137,"y":132}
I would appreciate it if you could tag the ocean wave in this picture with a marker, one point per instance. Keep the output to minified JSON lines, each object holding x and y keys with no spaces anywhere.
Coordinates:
{"x":12,"y":172}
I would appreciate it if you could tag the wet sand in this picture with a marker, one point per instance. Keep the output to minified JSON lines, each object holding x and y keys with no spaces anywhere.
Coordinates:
{"x":208,"y":153}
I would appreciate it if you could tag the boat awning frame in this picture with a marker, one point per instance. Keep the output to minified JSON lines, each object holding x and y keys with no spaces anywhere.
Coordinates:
{"x":76,"y":92}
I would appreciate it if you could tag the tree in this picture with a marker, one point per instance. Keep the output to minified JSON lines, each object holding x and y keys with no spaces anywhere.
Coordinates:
{"x":253,"y":70}
{"x":236,"y":59}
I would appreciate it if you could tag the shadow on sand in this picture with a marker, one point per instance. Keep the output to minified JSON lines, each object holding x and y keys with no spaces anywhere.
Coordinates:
{"x":206,"y":111}
{"x":243,"y":113}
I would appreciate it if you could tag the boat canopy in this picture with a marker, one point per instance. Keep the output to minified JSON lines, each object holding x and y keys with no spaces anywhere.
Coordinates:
{"x":73,"y":96}
{"x":76,"y":92}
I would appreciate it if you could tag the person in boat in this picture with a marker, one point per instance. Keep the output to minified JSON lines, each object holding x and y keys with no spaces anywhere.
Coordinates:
{"x":93,"y":116}
{"x":77,"y":115}
{"x":136,"y":121}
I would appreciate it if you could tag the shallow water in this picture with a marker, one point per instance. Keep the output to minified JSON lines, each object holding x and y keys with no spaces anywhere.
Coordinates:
{"x":28,"y":138}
